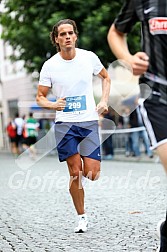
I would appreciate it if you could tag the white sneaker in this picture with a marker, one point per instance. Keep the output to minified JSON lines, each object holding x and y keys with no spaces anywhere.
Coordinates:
{"x":82,"y":224}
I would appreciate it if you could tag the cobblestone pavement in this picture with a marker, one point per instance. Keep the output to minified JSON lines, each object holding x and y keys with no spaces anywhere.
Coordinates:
{"x":123,"y":206}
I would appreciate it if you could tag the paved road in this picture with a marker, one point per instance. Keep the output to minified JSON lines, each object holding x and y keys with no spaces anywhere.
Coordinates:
{"x":37,"y":213}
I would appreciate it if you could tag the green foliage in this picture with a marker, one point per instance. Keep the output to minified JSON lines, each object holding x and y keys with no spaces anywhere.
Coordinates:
{"x":27,"y":25}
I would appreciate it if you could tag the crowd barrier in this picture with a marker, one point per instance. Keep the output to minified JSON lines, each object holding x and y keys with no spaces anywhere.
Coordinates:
{"x":118,"y":136}
{"x":120,"y":131}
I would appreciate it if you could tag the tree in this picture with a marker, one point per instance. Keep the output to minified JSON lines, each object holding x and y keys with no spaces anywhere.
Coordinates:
{"x":27,"y":24}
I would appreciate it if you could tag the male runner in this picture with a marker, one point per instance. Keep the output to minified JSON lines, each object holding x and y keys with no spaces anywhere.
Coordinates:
{"x":70,"y":73}
{"x":151,"y":64}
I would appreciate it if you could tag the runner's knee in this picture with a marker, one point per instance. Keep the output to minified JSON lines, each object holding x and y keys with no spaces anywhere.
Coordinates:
{"x":93,"y":174}
{"x":75,"y":171}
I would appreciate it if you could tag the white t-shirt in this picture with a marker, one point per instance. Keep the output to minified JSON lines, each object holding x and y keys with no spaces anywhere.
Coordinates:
{"x":72,"y":79}
{"x":20,"y":124}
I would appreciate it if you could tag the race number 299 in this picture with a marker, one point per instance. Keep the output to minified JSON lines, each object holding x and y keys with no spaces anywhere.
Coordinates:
{"x":75,"y":104}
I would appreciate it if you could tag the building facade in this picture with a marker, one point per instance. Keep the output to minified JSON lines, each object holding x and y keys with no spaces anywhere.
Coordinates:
{"x":17,"y":89}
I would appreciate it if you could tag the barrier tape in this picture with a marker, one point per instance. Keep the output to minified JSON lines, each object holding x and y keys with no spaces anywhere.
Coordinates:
{"x":118,"y":131}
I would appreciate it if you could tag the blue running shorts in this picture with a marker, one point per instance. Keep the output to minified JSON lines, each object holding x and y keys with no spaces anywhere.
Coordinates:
{"x":77,"y":137}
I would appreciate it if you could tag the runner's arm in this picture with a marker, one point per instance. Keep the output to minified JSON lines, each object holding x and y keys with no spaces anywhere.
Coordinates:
{"x":42,"y":100}
{"x":118,"y":44}
{"x":102,"y":106}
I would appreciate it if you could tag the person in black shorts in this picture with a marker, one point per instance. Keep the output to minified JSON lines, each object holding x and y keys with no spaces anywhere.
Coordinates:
{"x":151,"y":64}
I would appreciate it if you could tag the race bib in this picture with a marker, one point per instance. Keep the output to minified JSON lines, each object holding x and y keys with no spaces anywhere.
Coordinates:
{"x":75,"y":104}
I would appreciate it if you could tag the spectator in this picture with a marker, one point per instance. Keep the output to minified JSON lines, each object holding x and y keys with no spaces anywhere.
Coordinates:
{"x":19,"y":138}
{"x":107,"y":145}
{"x":135,"y":120}
{"x":12,"y":134}
{"x":124,"y":121}
{"x":31,"y":128}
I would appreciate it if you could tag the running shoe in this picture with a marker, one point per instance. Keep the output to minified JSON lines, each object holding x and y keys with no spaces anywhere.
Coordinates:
{"x":82,"y":224}
{"x":163,"y":239}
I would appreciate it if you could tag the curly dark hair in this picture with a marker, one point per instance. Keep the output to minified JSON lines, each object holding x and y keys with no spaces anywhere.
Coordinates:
{"x":54,"y":32}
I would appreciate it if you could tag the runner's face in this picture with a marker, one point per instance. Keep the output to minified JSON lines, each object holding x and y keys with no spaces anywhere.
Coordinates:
{"x":66,"y":37}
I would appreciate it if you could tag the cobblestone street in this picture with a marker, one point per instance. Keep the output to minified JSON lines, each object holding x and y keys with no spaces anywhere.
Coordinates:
{"x":123,"y":207}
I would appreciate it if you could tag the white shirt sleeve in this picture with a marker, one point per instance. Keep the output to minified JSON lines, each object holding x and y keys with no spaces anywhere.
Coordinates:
{"x":44,"y":78}
{"x":97,"y":65}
